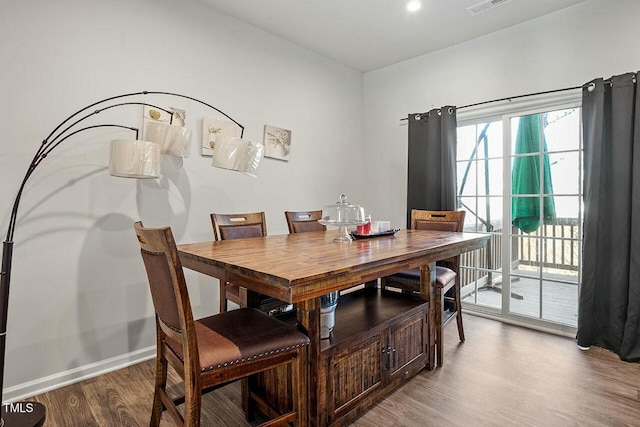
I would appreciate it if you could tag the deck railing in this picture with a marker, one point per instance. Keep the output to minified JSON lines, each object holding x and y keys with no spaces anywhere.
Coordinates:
{"x":555,"y":245}
{"x":559,"y":248}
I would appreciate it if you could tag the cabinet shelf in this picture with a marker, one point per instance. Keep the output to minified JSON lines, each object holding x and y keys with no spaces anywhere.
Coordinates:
{"x":364,"y":311}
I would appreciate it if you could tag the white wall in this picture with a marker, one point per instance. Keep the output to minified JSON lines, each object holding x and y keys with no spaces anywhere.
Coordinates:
{"x":597,"y":38}
{"x":79,"y":298}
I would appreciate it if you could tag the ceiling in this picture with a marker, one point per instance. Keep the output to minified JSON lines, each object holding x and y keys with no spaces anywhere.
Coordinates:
{"x":370,"y":34}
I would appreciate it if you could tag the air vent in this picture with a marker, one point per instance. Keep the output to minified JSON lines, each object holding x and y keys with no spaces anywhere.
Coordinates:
{"x":485,"y":5}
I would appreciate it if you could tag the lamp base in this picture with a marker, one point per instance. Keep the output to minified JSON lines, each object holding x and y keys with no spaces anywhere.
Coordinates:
{"x":23,"y":414}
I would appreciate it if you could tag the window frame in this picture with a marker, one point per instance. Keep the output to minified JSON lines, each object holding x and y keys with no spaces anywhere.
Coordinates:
{"x":505,"y":111}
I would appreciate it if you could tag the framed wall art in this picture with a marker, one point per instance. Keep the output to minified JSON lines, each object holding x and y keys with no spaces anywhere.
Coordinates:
{"x":277,"y":143}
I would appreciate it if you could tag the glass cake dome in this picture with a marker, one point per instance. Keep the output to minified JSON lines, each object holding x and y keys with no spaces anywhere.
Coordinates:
{"x":343,"y":214}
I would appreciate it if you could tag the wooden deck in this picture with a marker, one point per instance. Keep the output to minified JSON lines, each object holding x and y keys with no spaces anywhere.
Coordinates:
{"x":559,"y":300}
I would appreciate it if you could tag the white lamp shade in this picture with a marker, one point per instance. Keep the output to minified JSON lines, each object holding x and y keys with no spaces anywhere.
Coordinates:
{"x":238,"y":154}
{"x":173,"y":140}
{"x":134,"y":159}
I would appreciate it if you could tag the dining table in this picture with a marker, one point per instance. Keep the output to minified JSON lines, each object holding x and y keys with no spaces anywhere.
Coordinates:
{"x":300,"y":268}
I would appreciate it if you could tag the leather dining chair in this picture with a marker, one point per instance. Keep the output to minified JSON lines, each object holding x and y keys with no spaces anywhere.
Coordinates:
{"x":447,"y":285}
{"x":213,"y":351}
{"x":301,"y":221}
{"x":236,"y":226}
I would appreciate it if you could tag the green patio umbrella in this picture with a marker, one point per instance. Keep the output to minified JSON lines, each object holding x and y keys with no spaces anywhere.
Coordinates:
{"x":525,"y":177}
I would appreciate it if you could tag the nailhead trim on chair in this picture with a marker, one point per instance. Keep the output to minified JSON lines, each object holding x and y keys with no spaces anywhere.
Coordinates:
{"x":244,"y":359}
{"x":171,"y":327}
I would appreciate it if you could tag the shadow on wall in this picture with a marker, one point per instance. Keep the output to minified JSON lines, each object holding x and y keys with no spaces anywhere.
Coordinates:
{"x":114,"y":310}
{"x":112,"y":298}
{"x":158,"y":205}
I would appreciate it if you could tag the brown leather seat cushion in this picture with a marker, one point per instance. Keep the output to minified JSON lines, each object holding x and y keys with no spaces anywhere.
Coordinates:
{"x":444,"y":275}
{"x":239,"y":336}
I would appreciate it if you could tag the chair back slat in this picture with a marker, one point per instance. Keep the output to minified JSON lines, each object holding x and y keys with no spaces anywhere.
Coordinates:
{"x":303,"y":221}
{"x":436,"y":226}
{"x":162,"y":292}
{"x":238,"y":226}
{"x":166,"y":279}
{"x":440,"y":221}
{"x":437,"y":220}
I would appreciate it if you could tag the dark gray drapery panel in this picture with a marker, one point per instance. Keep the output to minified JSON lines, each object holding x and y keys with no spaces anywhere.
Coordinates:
{"x":609,"y":311}
{"x":431,"y":182}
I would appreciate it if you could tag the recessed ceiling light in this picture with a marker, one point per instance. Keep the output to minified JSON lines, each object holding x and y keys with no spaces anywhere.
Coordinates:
{"x":414,"y":5}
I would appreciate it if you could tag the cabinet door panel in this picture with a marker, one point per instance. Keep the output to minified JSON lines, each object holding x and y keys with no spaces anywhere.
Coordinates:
{"x":355,"y":373}
{"x":407,"y":344}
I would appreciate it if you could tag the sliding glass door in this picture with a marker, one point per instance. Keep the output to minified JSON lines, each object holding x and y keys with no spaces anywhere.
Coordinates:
{"x":519,"y":179}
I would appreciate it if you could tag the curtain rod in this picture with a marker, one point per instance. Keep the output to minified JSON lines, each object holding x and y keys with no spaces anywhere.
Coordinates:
{"x":512,"y":97}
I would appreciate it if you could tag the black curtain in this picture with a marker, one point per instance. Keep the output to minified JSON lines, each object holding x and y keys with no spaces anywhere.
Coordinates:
{"x":609,"y":311}
{"x":431,"y":183}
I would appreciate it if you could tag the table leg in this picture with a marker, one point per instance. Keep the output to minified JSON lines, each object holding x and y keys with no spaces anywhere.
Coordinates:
{"x":223,"y":300}
{"x":248,"y":298}
{"x":427,"y":278}
{"x":309,"y":322}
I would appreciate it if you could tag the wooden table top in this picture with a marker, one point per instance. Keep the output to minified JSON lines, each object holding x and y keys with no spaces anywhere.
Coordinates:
{"x":295,"y":267}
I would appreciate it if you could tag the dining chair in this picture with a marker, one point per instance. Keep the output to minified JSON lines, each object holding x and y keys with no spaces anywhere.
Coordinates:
{"x":213,"y":351}
{"x":447,"y":284}
{"x":301,"y":221}
{"x":236,"y":226}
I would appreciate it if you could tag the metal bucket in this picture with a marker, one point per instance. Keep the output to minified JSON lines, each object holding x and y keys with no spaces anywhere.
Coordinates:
{"x":328,"y":304}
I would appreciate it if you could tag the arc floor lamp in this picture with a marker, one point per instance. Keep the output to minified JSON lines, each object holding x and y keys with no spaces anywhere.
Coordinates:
{"x":128,"y":158}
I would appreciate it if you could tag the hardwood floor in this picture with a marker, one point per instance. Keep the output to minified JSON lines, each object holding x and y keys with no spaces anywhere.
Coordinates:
{"x":503,"y":375}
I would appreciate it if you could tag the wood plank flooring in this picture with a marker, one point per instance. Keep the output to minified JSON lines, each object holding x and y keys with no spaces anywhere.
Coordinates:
{"x":503,"y":375}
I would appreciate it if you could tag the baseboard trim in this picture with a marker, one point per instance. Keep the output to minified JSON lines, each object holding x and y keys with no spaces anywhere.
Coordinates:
{"x":71,"y":376}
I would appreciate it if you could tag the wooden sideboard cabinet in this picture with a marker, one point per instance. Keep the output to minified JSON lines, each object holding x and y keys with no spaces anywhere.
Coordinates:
{"x":379,"y":340}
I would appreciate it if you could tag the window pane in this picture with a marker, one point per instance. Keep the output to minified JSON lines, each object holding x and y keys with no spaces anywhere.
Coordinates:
{"x":528,"y":253}
{"x":564,"y":176}
{"x":490,"y":177}
{"x":479,"y":141}
{"x":559,"y":302}
{"x":567,"y":208}
{"x":470,"y":205}
{"x":494,"y":141}
{"x":562,"y":129}
{"x":466,"y":142}
{"x":467,"y":178}
{"x":489,"y":213}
